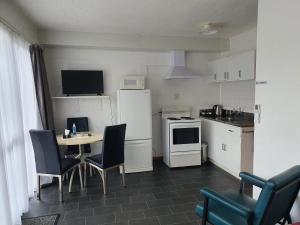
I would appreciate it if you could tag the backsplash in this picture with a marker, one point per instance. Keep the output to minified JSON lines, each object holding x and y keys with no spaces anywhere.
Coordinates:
{"x":238,"y":94}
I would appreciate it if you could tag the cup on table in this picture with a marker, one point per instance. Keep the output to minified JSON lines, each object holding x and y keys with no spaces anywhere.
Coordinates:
{"x":66,"y":133}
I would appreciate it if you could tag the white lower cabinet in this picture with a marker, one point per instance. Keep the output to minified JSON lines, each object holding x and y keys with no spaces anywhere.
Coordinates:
{"x":229,"y":147}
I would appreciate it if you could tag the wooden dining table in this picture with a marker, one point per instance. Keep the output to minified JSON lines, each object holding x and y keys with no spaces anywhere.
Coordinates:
{"x":80,"y":139}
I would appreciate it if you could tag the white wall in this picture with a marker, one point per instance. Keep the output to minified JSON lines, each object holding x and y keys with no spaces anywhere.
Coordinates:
{"x":132,"y":42}
{"x":277,"y":137}
{"x":235,"y":95}
{"x":12,"y":16}
{"x":239,"y":94}
{"x":198,"y":93}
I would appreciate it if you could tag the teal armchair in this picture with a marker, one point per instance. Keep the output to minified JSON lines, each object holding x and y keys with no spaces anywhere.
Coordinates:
{"x":272,"y":207}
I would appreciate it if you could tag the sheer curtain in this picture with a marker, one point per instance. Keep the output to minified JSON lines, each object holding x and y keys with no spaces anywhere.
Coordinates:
{"x":18,"y":114}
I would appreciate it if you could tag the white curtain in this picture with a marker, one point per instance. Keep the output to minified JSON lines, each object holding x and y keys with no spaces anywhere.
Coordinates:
{"x":18,"y":114}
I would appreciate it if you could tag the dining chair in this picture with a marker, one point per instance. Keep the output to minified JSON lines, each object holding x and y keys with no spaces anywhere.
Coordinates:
{"x":48,"y":161}
{"x":273,"y":205}
{"x":82,"y":125}
{"x":112,"y":155}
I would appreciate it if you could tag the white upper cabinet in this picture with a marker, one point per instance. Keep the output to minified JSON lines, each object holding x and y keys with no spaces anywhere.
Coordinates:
{"x":217,"y":69}
{"x":246,"y":65}
{"x":234,"y":68}
{"x":213,"y":69}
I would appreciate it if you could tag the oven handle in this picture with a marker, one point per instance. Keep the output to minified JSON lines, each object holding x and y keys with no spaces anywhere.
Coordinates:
{"x":195,"y":152}
{"x":185,"y":125}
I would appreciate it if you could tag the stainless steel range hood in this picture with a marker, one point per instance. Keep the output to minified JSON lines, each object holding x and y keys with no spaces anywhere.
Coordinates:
{"x":178,"y":69}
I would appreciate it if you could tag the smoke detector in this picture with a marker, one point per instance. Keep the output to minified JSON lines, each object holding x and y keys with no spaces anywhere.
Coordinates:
{"x":209,"y":28}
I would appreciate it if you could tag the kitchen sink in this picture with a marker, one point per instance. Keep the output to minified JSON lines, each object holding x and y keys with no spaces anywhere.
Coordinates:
{"x":229,"y":119}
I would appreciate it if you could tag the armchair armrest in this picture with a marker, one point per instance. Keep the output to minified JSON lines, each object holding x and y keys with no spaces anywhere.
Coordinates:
{"x":252,"y":179}
{"x":226,"y":202}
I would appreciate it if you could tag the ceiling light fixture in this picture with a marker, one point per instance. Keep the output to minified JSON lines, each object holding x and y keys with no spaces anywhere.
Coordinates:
{"x":209,"y":28}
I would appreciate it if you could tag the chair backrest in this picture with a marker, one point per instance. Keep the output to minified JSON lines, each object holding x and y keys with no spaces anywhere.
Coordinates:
{"x":46,"y":152}
{"x":113,"y":145}
{"x":82,"y":124}
{"x":277,"y":197}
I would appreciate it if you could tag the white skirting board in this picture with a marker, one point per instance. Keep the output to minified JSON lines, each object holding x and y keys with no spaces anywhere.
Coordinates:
{"x":236,"y":174}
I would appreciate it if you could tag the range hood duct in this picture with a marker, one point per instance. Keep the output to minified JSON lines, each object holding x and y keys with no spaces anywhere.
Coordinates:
{"x":178,"y":69}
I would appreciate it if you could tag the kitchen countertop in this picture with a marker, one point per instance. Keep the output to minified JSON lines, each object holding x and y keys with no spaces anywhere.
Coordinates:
{"x":245,"y":120}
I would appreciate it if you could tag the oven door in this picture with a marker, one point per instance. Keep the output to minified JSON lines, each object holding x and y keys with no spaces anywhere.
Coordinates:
{"x":185,"y":137}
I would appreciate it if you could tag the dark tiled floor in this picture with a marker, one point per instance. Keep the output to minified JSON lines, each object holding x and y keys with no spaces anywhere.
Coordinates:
{"x":164,"y":196}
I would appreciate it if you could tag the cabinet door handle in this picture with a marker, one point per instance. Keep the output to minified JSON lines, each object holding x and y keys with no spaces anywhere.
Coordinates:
{"x":240,"y":74}
{"x":247,"y":132}
{"x":215,"y":76}
{"x":231,"y":131}
{"x":223,"y":147}
{"x":225,"y":75}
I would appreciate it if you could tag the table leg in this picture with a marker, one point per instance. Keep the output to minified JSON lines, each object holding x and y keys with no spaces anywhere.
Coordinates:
{"x":81,"y":157}
{"x":84,"y":175}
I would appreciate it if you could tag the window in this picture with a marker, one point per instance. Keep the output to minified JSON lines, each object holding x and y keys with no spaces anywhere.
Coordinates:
{"x":18,"y":114}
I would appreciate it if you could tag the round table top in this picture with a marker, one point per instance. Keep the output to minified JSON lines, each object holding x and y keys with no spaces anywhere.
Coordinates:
{"x":80,"y":138}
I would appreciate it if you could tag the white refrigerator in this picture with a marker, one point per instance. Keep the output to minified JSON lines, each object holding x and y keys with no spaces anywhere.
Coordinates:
{"x":134,"y":109}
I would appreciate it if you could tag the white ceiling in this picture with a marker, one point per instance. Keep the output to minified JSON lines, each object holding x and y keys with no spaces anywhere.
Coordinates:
{"x":145,"y":17}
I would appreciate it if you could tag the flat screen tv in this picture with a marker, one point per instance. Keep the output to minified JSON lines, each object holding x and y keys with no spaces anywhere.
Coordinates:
{"x":82,"y":82}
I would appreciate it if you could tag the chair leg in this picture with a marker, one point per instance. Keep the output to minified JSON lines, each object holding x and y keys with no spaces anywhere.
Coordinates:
{"x":91,"y":171}
{"x":103,"y":175}
{"x":205,"y":207}
{"x":38,"y":187}
{"x":71,"y":179}
{"x":80,"y":176}
{"x":84,"y":174}
{"x":289,"y":219}
{"x":61,"y":191}
{"x":123,"y":175}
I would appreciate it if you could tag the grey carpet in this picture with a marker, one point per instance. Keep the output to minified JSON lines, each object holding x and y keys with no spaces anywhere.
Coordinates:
{"x":41,"y":220}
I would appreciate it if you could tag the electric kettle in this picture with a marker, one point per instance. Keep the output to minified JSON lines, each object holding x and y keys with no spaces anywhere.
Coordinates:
{"x":217,"y":109}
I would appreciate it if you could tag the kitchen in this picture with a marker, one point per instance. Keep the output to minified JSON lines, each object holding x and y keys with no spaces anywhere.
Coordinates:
{"x":214,"y":81}
{"x":197,"y":93}
{"x":229,"y":133}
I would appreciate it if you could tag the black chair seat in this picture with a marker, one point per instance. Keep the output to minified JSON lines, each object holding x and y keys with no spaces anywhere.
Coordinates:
{"x":74,"y":150}
{"x":68,"y":163}
{"x":71,"y":152}
{"x":95,"y":160}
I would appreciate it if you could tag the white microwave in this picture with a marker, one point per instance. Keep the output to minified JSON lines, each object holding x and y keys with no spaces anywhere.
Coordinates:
{"x":133,"y":82}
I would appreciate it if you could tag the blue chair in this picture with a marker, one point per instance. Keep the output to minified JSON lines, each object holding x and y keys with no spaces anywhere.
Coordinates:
{"x":112,"y":155}
{"x":48,"y":161}
{"x":273,"y":206}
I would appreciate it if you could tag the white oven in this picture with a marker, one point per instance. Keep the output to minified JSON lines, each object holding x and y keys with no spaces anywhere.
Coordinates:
{"x":185,"y":136}
{"x":181,"y":137}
